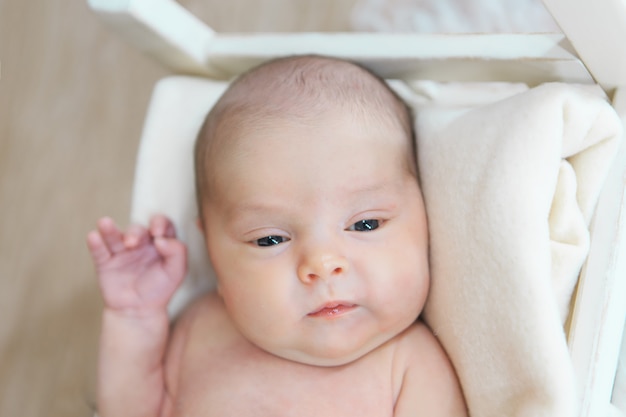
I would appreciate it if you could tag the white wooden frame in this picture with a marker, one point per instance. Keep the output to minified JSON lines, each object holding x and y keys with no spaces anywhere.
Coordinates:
{"x":589,"y":50}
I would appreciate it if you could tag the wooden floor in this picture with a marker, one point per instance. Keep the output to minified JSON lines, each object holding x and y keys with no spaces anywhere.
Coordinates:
{"x":72,"y":99}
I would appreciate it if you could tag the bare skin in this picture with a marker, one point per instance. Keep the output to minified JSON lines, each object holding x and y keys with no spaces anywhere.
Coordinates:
{"x":226,"y":375}
{"x":138,"y":271}
{"x":317,"y":232}
{"x":210,"y":369}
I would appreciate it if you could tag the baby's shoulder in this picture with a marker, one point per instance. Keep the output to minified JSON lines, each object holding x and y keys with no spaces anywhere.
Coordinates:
{"x":417,"y":344}
{"x":429,"y":381}
{"x":201,"y":329}
{"x":205,"y":316}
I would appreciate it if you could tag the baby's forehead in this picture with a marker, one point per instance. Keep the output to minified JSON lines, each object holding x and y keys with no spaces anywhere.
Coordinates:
{"x":249,"y":126}
{"x":302,"y":91}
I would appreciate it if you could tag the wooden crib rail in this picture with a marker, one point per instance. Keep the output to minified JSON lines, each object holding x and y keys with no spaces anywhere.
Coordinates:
{"x":180,"y":41}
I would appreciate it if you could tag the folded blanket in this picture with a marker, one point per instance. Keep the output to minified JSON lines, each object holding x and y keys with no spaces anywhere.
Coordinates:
{"x":510,"y":189}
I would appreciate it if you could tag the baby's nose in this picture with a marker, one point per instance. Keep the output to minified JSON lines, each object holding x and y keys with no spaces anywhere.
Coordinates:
{"x":322,"y":266}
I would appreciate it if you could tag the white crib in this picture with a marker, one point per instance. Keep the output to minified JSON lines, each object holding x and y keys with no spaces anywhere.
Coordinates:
{"x":589,"y":51}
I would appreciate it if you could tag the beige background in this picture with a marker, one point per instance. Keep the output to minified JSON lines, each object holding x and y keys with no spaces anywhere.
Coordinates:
{"x":72,"y":99}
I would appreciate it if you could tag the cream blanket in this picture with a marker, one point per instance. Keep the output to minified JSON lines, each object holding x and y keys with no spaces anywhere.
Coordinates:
{"x":510,"y":188}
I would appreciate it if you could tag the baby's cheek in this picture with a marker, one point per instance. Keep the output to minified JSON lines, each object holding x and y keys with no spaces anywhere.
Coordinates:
{"x":414,"y":281}
{"x":400,"y":287}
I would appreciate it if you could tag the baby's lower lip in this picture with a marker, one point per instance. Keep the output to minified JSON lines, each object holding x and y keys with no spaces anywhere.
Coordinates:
{"x":332,"y":310}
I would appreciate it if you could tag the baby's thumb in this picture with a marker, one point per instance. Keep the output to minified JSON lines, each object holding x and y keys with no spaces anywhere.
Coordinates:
{"x":174,"y":254}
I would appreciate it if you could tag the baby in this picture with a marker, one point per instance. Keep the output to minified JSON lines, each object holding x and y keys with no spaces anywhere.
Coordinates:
{"x":315,"y":225}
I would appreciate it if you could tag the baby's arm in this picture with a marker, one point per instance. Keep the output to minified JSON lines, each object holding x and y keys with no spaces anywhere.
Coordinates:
{"x":430,"y":386}
{"x":138,"y":272}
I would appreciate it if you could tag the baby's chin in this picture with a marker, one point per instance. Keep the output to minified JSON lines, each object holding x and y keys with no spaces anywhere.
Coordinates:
{"x":324,"y":361}
{"x":331,"y":356}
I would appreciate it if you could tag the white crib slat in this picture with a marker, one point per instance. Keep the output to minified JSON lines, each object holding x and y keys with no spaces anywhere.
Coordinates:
{"x":598,"y":316}
{"x":161,"y":28}
{"x":531,"y":58}
{"x":597,"y":30}
{"x":168,"y":32}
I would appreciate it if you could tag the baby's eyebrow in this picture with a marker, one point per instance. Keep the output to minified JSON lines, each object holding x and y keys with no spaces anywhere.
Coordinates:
{"x":370,"y":189}
{"x":242,"y":216}
{"x":380,"y":188}
{"x":247,"y":208}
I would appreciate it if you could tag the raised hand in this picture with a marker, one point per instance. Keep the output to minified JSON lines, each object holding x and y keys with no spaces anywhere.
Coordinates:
{"x":139,"y":270}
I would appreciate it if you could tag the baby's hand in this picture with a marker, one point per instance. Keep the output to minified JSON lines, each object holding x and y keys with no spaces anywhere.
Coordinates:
{"x":139,"y":270}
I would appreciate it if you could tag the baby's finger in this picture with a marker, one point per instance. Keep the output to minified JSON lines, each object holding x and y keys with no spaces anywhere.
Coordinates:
{"x":174,"y":254}
{"x":111,"y":235}
{"x":98,"y":249}
{"x":162,"y":226}
{"x":135,"y":236}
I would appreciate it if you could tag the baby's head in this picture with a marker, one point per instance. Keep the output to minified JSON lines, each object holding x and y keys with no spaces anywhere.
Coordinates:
{"x":298,"y":89}
{"x":311,"y":209}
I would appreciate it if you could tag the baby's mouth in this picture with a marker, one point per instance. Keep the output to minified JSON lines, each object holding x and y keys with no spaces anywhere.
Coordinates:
{"x":332,"y":309}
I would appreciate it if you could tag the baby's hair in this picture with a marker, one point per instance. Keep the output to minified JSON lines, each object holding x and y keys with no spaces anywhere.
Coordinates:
{"x":299,"y":88}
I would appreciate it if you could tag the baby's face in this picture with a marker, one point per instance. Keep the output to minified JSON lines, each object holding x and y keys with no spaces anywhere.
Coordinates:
{"x":318,"y":236}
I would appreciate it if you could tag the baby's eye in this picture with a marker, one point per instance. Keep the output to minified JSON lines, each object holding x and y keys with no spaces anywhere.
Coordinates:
{"x":270,"y":240}
{"x":364,"y":225}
